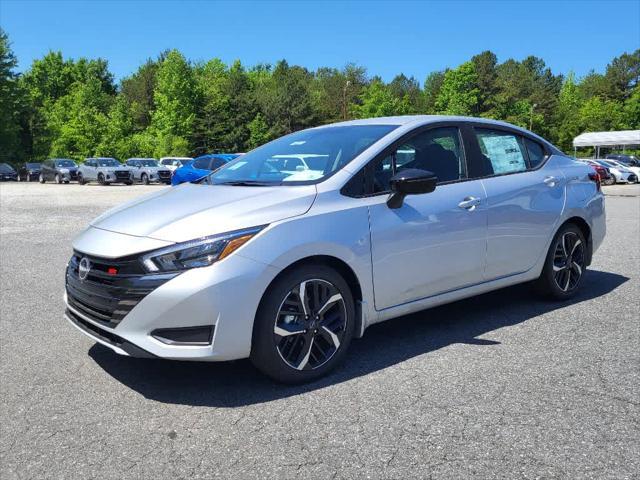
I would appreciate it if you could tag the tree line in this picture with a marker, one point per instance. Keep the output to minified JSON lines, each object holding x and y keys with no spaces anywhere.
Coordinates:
{"x":61,"y":107}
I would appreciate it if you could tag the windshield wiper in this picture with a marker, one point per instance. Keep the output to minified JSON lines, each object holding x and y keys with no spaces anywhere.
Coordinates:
{"x":247,"y":183}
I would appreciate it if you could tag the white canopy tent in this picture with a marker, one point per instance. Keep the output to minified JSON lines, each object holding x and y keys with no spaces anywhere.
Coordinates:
{"x":622,"y":138}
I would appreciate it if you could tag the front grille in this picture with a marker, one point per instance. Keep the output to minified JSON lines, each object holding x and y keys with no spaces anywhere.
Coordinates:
{"x":112,"y":288}
{"x":122,"y":174}
{"x":164,"y":174}
{"x":73,"y":174}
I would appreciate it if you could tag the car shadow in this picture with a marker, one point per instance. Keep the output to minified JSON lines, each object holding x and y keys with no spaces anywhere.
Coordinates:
{"x":238,"y":383}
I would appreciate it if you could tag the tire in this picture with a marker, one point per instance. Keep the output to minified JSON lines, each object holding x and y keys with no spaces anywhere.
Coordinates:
{"x":286,"y":358}
{"x":81,"y":179}
{"x":565,"y":264}
{"x":144,"y":178}
{"x":101,"y":179}
{"x":41,"y":178}
{"x":58,"y":179}
{"x":610,"y":181}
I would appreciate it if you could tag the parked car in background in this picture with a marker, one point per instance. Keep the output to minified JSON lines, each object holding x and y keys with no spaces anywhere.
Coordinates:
{"x":173,"y":163}
{"x":632,"y":169}
{"x":402,"y":214}
{"x":201,"y":167}
{"x":148,"y":170}
{"x":29,"y":171}
{"x":629,"y":160}
{"x":105,"y":171}
{"x":621,"y":174}
{"x":605,"y":176}
{"x":7,"y":173}
{"x":58,"y":170}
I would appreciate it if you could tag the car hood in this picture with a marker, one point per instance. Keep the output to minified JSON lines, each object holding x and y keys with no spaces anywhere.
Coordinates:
{"x":192,"y":211}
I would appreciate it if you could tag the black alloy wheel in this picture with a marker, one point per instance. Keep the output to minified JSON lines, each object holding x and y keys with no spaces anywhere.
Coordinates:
{"x":565,"y":264}
{"x":568,"y":261}
{"x":304,"y":324}
{"x":310,"y":324}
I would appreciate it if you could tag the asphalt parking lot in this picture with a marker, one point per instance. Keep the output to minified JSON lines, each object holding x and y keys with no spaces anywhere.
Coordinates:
{"x":500,"y":386}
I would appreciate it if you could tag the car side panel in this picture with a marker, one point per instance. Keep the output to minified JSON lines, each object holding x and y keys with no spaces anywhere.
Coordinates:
{"x":523,"y":213}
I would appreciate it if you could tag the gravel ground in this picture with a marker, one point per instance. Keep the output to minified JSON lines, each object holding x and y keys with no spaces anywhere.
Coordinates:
{"x":500,"y":386}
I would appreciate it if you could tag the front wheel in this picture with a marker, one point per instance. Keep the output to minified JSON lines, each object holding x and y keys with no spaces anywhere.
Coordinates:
{"x":58,"y":179}
{"x":144,"y":179}
{"x":101,"y":179}
{"x":81,"y":179}
{"x":565,"y":264}
{"x":304,"y":325}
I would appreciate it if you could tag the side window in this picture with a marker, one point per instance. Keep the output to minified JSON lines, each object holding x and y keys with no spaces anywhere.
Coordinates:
{"x":437,"y":150}
{"x":502,"y":152}
{"x":536,"y":153}
{"x":216,"y":163}
{"x":202,"y":163}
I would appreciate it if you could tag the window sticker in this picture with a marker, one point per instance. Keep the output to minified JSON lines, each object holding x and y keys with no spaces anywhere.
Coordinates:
{"x":504,"y":153}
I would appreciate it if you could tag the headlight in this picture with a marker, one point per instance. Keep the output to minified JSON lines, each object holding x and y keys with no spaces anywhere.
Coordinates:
{"x":198,"y":253}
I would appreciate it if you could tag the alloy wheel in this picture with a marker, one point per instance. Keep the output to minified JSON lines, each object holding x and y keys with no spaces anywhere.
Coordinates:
{"x":310,"y":324}
{"x":568,"y":261}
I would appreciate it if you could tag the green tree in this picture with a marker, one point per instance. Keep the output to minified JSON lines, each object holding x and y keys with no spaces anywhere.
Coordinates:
{"x":138,"y":91}
{"x":175,"y":100}
{"x":432,"y":86}
{"x":377,"y":100}
{"x":11,"y":105}
{"x":258,"y":132}
{"x":459,"y":93}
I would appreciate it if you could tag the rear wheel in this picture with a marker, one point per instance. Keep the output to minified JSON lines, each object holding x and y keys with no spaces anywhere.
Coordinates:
{"x":565,"y":264}
{"x":41,"y":178}
{"x":81,"y":179}
{"x":27,"y":178}
{"x":58,"y":179}
{"x":304,"y":325}
{"x":610,"y":181}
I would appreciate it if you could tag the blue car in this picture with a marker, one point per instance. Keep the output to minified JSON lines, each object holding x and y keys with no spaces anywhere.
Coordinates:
{"x":201,"y":167}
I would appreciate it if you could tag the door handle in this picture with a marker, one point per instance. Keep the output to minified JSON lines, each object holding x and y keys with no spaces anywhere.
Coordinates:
{"x":550,"y":181}
{"x":469,"y":203}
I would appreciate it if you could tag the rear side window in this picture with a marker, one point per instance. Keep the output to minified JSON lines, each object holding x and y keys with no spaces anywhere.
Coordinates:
{"x":536,"y":153}
{"x":202,"y":163}
{"x":502,"y":152}
{"x":216,"y":163}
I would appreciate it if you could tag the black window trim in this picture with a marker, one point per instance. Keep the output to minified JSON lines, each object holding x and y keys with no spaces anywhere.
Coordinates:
{"x":365,"y":172}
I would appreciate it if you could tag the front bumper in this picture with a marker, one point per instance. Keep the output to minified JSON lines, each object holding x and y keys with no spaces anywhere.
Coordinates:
{"x":225,"y":296}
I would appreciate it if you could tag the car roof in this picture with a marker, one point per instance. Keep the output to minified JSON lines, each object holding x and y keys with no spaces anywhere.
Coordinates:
{"x":419,"y":120}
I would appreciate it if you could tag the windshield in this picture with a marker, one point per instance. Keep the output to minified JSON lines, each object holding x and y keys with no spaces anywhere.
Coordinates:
{"x":6,"y":168}
{"x":65,"y":163}
{"x":308,"y":155}
{"x":108,"y":162}
{"x":149,"y":163}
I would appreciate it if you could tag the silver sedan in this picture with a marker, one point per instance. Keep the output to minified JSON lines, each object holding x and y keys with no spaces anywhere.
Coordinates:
{"x":287,"y":265}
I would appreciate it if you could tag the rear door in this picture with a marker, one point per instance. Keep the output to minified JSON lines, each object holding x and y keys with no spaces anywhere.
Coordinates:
{"x":434,"y":242}
{"x":525,"y":198}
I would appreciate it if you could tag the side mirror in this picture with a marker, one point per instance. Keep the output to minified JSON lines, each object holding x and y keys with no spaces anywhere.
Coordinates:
{"x":412,"y":181}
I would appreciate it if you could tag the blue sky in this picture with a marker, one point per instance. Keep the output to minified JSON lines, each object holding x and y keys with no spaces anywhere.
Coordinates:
{"x":413,"y":37}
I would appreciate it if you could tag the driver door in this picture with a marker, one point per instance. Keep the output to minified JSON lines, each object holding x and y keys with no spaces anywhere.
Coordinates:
{"x":435,"y":242}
